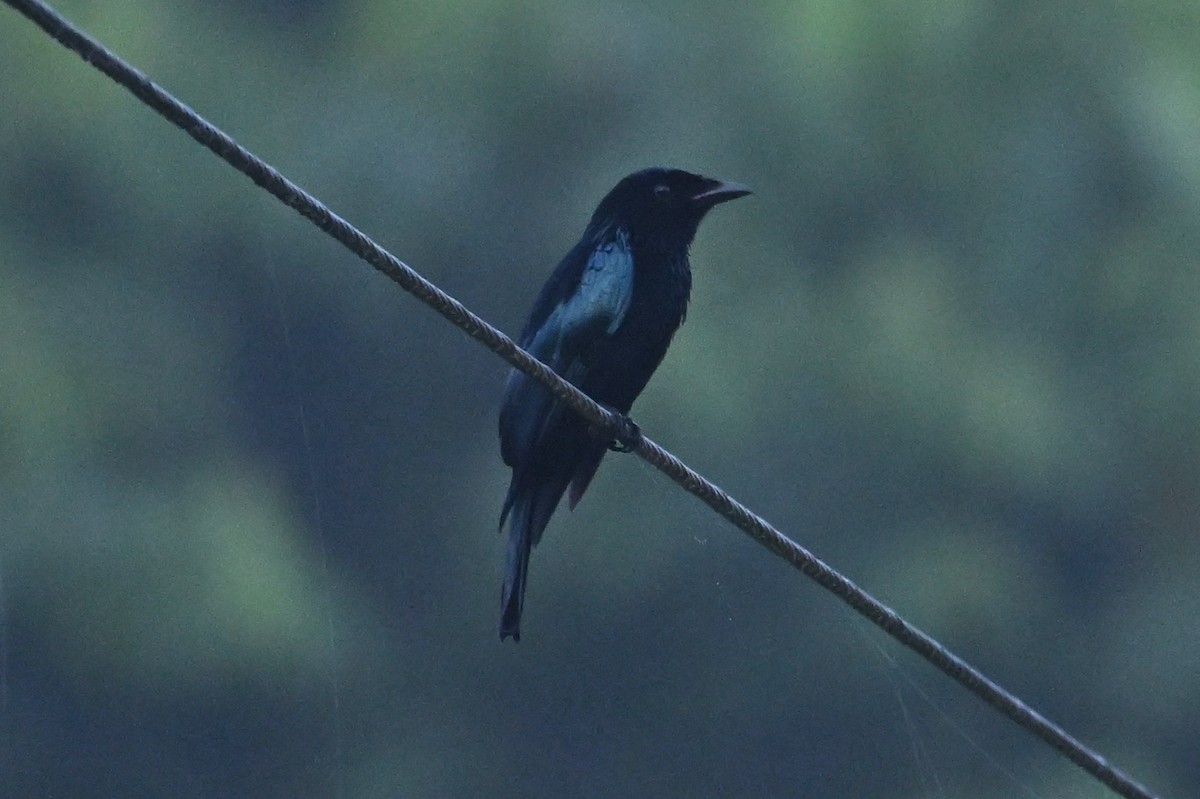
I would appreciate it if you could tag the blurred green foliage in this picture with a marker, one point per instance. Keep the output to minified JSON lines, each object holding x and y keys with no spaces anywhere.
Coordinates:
{"x":952,"y":344}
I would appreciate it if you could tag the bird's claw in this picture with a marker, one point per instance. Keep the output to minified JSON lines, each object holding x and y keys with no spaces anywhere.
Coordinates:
{"x":622,"y":433}
{"x":628,"y":434}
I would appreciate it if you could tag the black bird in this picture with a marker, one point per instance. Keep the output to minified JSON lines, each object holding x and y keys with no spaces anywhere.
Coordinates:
{"x":603,"y":321}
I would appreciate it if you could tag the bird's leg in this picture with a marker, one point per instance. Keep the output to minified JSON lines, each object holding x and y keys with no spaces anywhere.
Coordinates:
{"x":628,"y":434}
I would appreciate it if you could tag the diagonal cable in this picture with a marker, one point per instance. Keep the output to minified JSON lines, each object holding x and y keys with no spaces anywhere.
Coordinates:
{"x":618,"y":426}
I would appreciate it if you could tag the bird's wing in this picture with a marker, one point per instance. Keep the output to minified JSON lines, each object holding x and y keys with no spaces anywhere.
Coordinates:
{"x":605,"y":289}
{"x":594,"y":310}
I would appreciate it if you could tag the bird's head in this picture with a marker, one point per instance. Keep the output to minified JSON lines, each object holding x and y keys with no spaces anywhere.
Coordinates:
{"x":662,"y":206}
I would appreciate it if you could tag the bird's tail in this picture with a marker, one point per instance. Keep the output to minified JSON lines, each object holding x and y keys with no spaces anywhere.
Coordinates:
{"x":530,"y":513}
{"x":512,"y":596}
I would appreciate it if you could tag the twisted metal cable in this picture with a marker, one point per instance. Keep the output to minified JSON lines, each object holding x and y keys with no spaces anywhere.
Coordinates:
{"x":616,"y":425}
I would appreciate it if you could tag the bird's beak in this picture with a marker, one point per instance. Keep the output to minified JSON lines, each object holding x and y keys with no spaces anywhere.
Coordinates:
{"x":720,"y":192}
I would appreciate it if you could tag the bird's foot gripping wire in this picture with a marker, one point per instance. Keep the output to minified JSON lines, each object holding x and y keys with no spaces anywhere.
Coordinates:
{"x":627,"y":436}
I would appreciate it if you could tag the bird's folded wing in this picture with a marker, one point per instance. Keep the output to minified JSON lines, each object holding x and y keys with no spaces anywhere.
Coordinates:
{"x":594,"y":310}
{"x":604,"y":292}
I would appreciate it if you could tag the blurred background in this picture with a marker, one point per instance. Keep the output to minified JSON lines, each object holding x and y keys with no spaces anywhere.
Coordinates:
{"x":249,"y":489}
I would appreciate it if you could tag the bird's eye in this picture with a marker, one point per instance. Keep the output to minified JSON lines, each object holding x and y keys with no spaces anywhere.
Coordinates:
{"x":662,"y":191}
